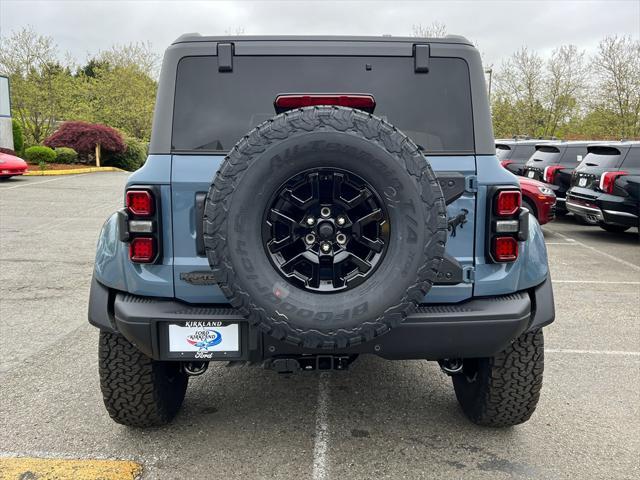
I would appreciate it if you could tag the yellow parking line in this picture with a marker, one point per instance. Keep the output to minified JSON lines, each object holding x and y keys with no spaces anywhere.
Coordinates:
{"x":67,"y":469}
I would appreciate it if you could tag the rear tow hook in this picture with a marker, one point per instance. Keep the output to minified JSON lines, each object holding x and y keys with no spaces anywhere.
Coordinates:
{"x":451,"y":366}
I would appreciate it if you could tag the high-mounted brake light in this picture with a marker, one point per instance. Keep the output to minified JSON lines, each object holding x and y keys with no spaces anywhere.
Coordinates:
{"x":608,"y":179}
{"x":291,"y":101}
{"x":550,"y":173}
{"x":140,"y":202}
{"x":142,"y":250}
{"x":508,"y":203}
{"x":505,"y":249}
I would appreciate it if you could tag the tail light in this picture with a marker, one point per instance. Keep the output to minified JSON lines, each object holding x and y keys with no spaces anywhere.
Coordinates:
{"x":508,"y":223}
{"x":608,"y":179}
{"x":508,"y":203}
{"x":550,"y":173}
{"x":140,"y":202}
{"x":139,"y":224}
{"x":142,"y":250}
{"x":505,"y":163}
{"x":505,"y":249}
{"x":291,"y":101}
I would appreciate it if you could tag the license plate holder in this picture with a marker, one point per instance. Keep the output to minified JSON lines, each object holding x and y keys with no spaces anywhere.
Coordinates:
{"x":202,"y":340}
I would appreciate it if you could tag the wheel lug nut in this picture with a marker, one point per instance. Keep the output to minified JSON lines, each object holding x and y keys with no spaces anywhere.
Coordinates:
{"x":341,"y":238}
{"x":341,"y":220}
{"x":325,"y":212}
{"x":325,"y":247}
{"x":310,"y":238}
{"x":311,"y":221}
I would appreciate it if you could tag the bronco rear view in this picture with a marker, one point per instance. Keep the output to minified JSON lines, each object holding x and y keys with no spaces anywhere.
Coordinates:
{"x":307,"y":200}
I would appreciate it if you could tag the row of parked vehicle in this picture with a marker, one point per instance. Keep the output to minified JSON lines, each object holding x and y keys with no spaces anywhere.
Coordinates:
{"x":598,"y":182}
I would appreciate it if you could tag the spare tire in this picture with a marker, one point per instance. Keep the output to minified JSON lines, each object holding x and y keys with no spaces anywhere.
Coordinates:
{"x":325,"y":227}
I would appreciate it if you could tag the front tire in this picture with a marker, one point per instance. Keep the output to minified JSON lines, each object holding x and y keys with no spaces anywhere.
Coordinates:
{"x":138,"y":391}
{"x":503,"y":390}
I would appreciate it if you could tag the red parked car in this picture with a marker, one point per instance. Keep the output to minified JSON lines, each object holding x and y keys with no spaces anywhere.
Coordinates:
{"x":10,"y":165}
{"x":539,"y":199}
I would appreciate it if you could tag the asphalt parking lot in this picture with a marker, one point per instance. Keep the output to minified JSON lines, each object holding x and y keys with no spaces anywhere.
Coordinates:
{"x":395,"y":420}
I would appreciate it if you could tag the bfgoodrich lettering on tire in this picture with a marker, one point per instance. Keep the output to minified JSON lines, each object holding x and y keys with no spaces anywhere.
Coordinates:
{"x":325,"y":226}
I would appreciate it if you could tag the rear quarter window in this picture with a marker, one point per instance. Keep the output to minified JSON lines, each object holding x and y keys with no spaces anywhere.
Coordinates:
{"x":213,"y":110}
{"x":632,"y":160}
{"x":573,"y":155}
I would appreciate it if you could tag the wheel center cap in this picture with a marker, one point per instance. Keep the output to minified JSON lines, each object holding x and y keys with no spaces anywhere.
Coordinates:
{"x":325,"y":230}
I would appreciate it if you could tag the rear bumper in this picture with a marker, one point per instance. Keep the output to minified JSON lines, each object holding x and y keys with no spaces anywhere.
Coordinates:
{"x":609,"y":212}
{"x":479,"y":327}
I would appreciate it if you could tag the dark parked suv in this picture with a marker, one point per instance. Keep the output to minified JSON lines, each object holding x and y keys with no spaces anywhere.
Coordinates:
{"x":606,"y":186}
{"x":514,"y":153}
{"x":310,"y":199}
{"x":553,"y":163}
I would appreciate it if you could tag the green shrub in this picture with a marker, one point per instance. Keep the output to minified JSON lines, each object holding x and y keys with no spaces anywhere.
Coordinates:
{"x":132,"y":158}
{"x":66,"y":155}
{"x":39,"y":154}
{"x":18,"y":139}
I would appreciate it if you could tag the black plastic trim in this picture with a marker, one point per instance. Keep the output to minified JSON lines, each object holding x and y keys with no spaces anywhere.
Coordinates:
{"x":201,"y":198}
{"x":478,"y":327}
{"x":100,"y":312}
{"x":453,"y":185}
{"x":544,"y":310}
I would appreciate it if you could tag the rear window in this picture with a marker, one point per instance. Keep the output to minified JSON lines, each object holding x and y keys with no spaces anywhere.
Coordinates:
{"x":545,"y":155}
{"x":503,"y":151}
{"x":213,"y":110}
{"x":605,"y":157}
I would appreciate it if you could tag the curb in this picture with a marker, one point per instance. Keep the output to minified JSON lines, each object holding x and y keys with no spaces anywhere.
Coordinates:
{"x":74,"y":171}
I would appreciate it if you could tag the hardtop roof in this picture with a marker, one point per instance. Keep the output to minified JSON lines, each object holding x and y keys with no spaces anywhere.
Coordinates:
{"x":197,"y":37}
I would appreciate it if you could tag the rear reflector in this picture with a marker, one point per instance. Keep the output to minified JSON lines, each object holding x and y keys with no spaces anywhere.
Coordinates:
{"x":608,"y":179}
{"x":140,"y":202}
{"x":291,"y":101}
{"x":508,"y":203}
{"x":142,"y":250}
{"x":505,"y":249}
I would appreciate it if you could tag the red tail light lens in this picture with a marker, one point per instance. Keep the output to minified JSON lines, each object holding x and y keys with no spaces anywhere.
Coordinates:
{"x":550,"y":173}
{"x":505,"y":163}
{"x":508,"y":203}
{"x":142,"y":250}
{"x":608,"y":179}
{"x":140,"y":202}
{"x":290,"y":101}
{"x":505,"y":249}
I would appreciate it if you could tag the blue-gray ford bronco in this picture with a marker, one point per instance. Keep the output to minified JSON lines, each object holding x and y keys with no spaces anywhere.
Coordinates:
{"x":307,"y":200}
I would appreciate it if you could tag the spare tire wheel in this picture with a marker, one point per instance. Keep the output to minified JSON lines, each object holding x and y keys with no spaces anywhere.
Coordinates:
{"x":325,"y":227}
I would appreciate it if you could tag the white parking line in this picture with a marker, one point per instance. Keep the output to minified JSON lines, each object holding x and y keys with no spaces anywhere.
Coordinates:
{"x":63,"y":177}
{"x":597,"y":282}
{"x":321,"y":442}
{"x":592,"y":352}
{"x":570,"y":244}
{"x":619,"y":260}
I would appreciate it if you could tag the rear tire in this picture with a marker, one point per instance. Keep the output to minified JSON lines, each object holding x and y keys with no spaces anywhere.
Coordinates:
{"x":503,"y":390}
{"x":613,"y":228}
{"x":138,"y":391}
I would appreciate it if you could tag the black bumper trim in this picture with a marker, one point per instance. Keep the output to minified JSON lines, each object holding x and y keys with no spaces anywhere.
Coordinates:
{"x":479,"y":327}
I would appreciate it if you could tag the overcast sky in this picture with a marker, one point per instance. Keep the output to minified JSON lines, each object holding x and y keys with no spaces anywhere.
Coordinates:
{"x":83,"y":27}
